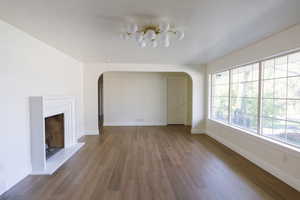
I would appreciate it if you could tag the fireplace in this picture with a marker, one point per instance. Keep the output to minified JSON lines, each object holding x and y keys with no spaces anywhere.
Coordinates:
{"x":54,"y":134}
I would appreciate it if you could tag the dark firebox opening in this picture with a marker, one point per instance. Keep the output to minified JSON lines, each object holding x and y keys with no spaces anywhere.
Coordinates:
{"x":54,"y":132}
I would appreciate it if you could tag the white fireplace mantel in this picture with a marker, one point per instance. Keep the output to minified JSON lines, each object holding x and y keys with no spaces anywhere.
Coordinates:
{"x":46,"y":106}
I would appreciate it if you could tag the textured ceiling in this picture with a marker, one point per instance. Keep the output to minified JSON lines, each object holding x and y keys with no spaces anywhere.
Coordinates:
{"x":88,"y":30}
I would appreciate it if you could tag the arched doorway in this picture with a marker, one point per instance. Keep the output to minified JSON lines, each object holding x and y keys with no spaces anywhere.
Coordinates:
{"x":94,"y":71}
{"x":100,"y":104}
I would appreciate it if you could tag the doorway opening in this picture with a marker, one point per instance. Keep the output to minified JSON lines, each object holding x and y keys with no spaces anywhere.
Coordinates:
{"x":179,"y":98}
{"x":100,"y":105}
{"x":144,"y":99}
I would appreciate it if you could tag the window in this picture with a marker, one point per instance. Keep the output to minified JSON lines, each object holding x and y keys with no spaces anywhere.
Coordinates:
{"x":220,"y":96}
{"x":244,"y":97}
{"x":263,"y":97}
{"x":281,"y":99}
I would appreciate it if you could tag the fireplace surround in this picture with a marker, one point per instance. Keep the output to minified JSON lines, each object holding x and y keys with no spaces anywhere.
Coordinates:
{"x":58,"y":115}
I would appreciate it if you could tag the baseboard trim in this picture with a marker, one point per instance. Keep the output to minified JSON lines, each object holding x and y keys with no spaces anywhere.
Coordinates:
{"x":91,"y":132}
{"x":134,"y":124}
{"x":293,"y":182}
{"x":197,"y":131}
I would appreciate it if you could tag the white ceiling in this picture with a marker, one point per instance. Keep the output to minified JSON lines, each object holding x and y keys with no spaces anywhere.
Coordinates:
{"x":88,"y":30}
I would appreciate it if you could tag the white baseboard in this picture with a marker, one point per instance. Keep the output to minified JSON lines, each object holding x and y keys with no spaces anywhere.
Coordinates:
{"x":91,"y":132}
{"x":134,"y":124}
{"x":197,"y":131}
{"x":292,"y":181}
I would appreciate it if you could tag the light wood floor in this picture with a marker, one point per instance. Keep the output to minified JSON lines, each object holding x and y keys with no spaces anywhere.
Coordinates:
{"x":141,"y":163}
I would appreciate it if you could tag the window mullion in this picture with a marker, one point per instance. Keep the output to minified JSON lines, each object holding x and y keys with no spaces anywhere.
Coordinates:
{"x":286,"y":96}
{"x":229,"y":98}
{"x":210,"y":95}
{"x":259,"y":109}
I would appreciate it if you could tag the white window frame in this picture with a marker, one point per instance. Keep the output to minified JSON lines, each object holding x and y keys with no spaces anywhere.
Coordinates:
{"x":260,"y":98}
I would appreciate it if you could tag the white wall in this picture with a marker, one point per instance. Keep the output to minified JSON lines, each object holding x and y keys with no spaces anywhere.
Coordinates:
{"x":139,"y":98}
{"x":277,"y":159}
{"x":92,"y":71}
{"x":28,"y":67}
{"x":134,"y":98}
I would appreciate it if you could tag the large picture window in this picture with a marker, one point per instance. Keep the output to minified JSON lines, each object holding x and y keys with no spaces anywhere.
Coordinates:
{"x":263,"y":97}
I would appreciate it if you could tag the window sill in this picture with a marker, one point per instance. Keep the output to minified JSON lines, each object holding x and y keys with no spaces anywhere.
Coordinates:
{"x":278,"y":145}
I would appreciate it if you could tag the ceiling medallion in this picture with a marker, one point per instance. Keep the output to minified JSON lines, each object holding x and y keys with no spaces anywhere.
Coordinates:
{"x":152,"y":35}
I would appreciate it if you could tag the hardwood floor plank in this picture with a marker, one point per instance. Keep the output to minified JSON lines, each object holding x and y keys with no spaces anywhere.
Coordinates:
{"x":153,"y":163}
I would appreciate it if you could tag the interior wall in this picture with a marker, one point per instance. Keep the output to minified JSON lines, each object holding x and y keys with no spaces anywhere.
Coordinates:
{"x":92,"y":71}
{"x":277,"y":159}
{"x":138,"y":98}
{"x":28,"y":67}
{"x":134,"y":98}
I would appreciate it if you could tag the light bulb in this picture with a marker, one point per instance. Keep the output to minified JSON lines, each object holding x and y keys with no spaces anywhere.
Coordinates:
{"x":164,"y":26}
{"x":166,"y":43}
{"x":142,"y":44}
{"x":153,"y":44}
{"x":163,"y":37}
{"x":150,"y":34}
{"x":132,"y":28}
{"x":139,"y":36}
{"x":179,"y":34}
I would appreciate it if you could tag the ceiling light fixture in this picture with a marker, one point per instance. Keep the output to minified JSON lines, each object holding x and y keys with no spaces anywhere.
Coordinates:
{"x":152,"y":35}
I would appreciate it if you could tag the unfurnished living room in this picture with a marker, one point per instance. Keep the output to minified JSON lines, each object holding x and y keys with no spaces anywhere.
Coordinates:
{"x":150,"y":100}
